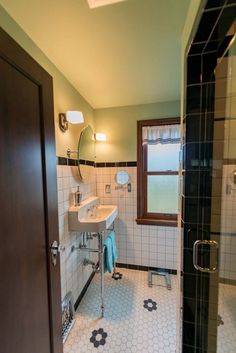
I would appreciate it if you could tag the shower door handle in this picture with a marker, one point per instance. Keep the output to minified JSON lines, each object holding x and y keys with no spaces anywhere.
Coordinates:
{"x":211,"y":243}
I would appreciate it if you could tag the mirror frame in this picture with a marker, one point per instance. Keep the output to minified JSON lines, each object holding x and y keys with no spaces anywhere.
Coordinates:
{"x":127,"y":180}
{"x":79,"y":147}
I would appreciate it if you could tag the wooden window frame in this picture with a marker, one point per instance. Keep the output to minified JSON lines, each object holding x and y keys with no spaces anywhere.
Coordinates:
{"x":144,"y":217}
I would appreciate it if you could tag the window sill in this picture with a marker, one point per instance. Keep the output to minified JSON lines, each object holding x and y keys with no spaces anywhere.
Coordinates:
{"x":157,"y":222}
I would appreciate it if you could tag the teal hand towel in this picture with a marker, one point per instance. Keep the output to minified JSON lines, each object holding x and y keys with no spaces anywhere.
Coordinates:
{"x":110,"y":252}
{"x":112,"y":236}
{"x":108,"y":255}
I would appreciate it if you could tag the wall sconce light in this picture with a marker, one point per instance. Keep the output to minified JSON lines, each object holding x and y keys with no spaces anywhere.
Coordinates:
{"x":100,"y":136}
{"x":71,"y":116}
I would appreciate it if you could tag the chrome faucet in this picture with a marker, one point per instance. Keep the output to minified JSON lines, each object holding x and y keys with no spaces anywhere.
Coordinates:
{"x":77,"y":197}
{"x":92,"y":210}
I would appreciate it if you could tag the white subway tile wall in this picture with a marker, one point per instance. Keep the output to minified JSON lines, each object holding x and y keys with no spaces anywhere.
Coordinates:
{"x":73,"y":274}
{"x":137,"y":244}
{"x":143,"y":245}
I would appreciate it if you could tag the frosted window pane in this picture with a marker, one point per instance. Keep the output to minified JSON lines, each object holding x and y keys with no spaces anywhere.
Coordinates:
{"x":163,"y":157}
{"x":162,"y":193}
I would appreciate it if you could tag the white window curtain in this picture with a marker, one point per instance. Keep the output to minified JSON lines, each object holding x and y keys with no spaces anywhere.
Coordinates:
{"x":161,"y":134}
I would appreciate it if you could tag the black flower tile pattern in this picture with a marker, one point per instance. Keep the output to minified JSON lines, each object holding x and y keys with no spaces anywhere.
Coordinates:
{"x":123,"y":313}
{"x":117,"y":275}
{"x":150,"y":305}
{"x":98,"y":337}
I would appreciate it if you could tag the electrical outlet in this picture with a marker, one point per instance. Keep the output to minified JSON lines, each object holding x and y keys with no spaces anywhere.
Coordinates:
{"x":108,"y":189}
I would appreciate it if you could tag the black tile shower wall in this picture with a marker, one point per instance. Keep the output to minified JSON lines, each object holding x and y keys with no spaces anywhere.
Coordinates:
{"x":196,"y":182}
{"x":197,"y":156}
{"x":195,"y":232}
{"x":194,"y":105}
{"x":215,"y":4}
{"x":200,"y":67}
{"x":206,"y":25}
{"x":196,"y":210}
{"x":200,"y":198}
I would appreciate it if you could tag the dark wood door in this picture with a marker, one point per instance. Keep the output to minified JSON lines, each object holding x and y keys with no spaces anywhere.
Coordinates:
{"x":30,"y":285}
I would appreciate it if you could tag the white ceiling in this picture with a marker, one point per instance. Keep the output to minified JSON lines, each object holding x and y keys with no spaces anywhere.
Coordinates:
{"x":122,"y":54}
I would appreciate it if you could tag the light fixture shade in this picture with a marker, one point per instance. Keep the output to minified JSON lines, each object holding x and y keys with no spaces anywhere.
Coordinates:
{"x":74,"y":117}
{"x":97,"y":3}
{"x":100,"y":136}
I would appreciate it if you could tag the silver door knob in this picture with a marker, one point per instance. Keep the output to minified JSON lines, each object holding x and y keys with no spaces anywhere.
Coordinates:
{"x":55,"y":248}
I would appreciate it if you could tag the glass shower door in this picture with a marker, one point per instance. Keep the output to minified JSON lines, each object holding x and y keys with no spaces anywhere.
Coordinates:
{"x":209,"y":184}
{"x":225,"y":131}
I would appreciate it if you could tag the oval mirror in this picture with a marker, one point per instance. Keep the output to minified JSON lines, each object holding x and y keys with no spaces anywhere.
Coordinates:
{"x":122,"y":177}
{"x":86,"y":150}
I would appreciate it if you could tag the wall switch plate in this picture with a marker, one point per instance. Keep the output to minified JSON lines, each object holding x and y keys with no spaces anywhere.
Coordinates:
{"x":108,"y":189}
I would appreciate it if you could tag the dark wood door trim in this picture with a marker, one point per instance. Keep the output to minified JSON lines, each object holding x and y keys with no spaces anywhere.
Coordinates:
{"x":11,"y":52}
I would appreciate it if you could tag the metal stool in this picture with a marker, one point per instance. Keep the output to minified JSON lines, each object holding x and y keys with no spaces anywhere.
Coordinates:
{"x":164,"y":273}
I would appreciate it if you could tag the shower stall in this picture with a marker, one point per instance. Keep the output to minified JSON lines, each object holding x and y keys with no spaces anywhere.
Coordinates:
{"x":209,"y":184}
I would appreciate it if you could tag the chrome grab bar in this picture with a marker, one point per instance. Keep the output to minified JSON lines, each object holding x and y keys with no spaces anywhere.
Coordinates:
{"x":195,"y":255}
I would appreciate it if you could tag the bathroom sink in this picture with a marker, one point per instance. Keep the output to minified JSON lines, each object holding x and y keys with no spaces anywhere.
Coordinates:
{"x":90,"y":216}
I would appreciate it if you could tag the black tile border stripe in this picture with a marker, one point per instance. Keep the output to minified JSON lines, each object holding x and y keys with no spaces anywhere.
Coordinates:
{"x":80,"y":297}
{"x":224,"y":280}
{"x":67,"y":161}
{"x":115,"y":164}
{"x":62,"y":161}
{"x":74,"y":162}
{"x":229,"y":161}
{"x":86,"y":162}
{"x":100,"y":165}
{"x":145,"y":268}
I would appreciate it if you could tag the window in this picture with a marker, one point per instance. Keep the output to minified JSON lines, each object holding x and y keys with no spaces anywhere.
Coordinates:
{"x":158,"y":164}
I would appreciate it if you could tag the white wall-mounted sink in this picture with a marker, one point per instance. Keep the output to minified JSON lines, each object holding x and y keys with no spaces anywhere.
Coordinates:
{"x":90,"y":216}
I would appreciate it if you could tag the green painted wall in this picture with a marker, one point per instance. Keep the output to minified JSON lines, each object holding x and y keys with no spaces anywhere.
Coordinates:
{"x":66,"y":97}
{"x":120,"y":126}
{"x":120,"y":123}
